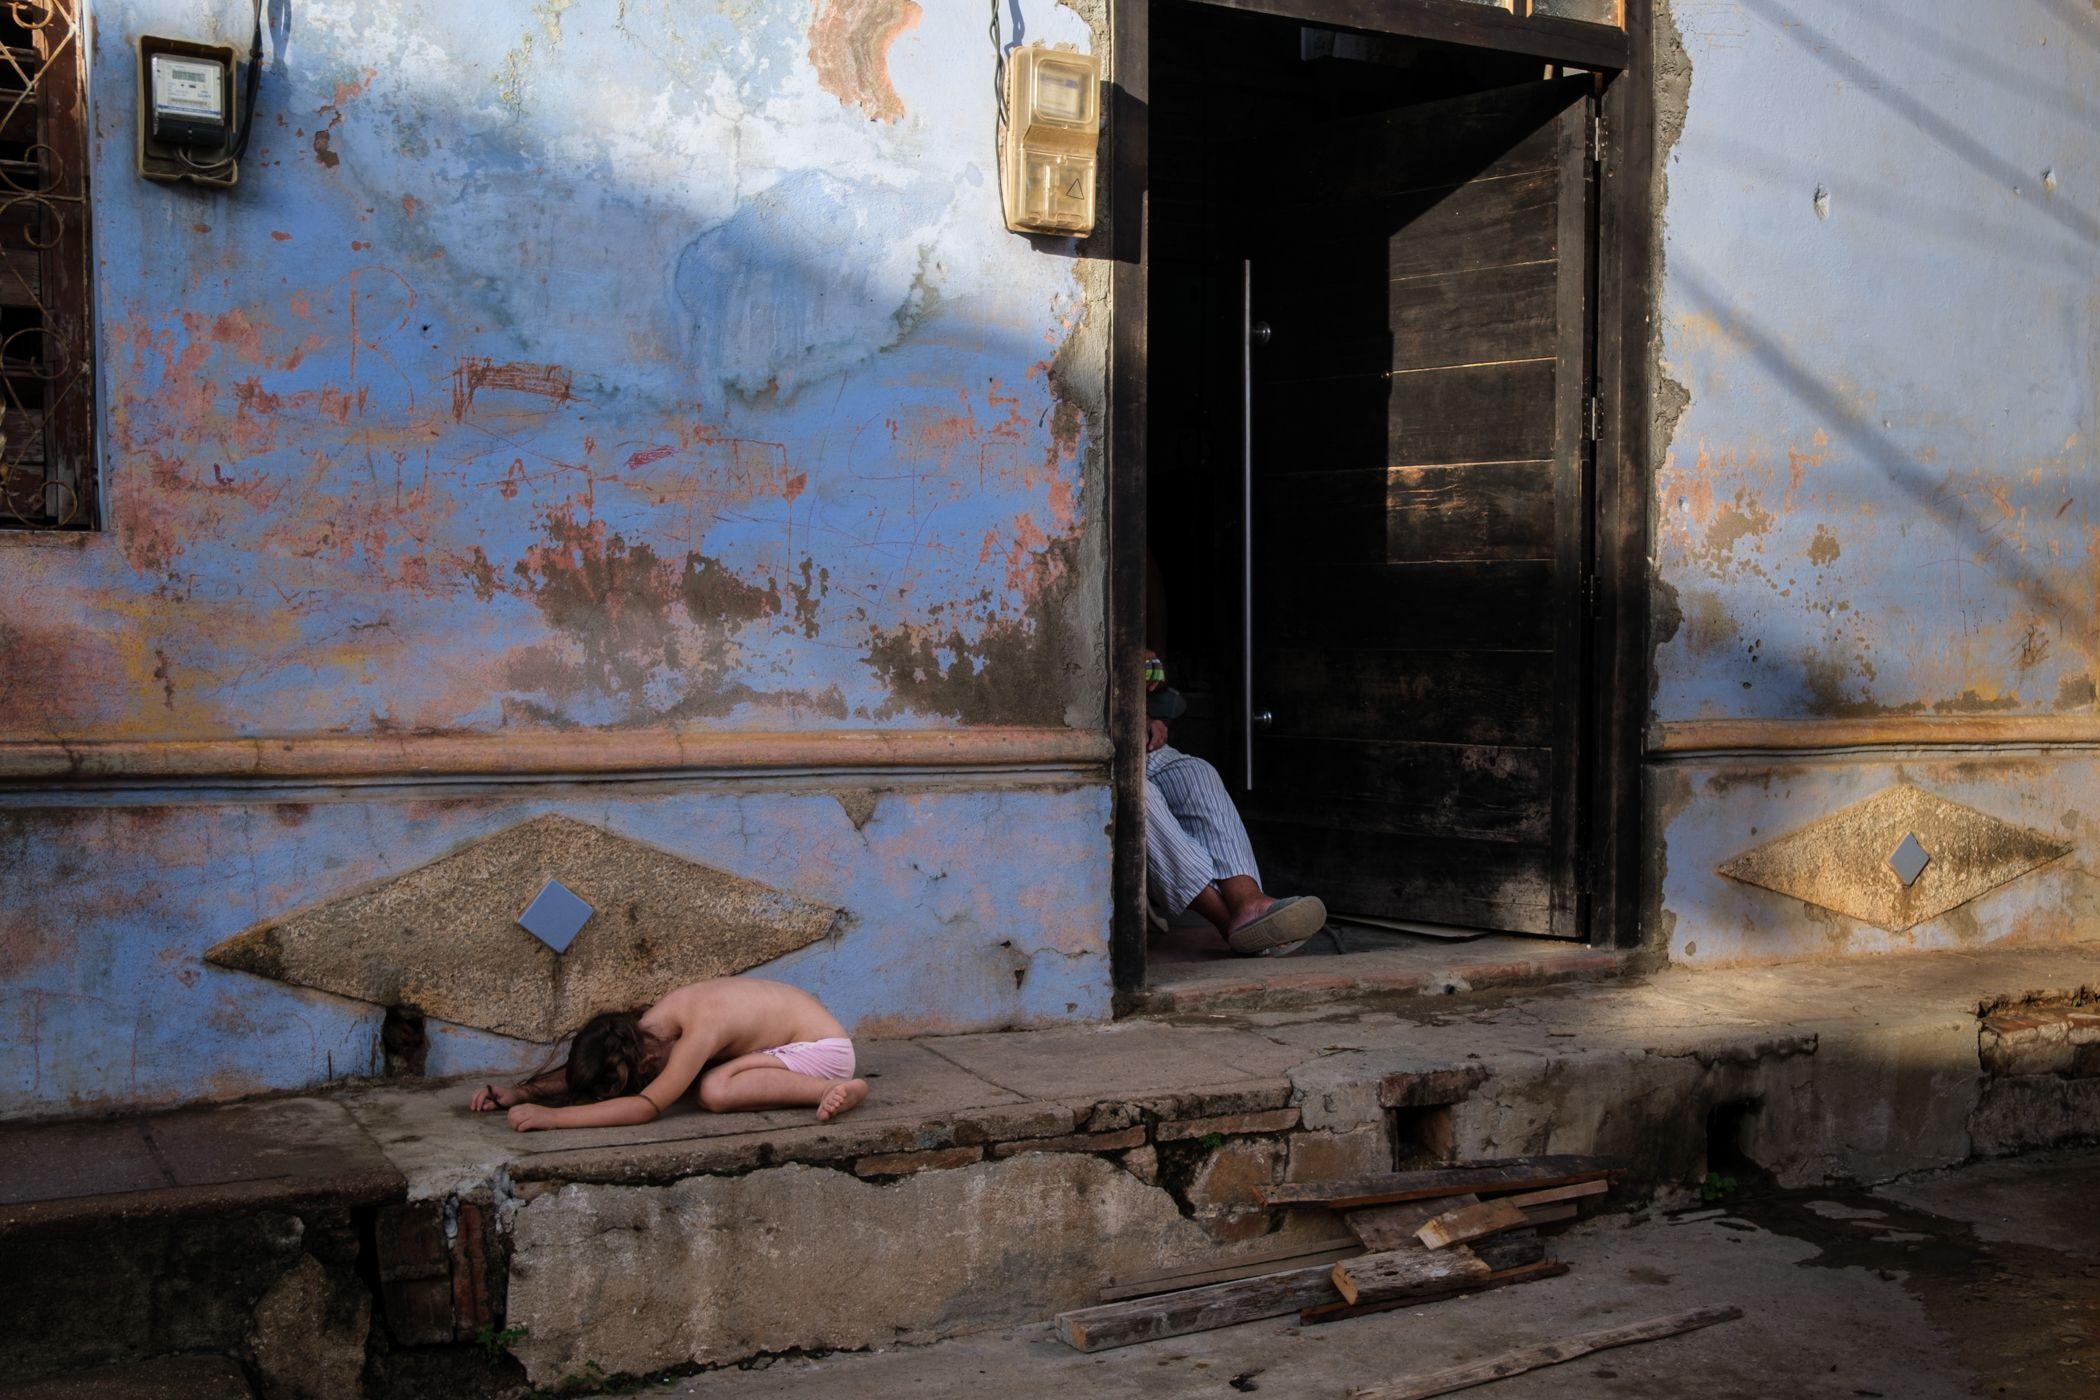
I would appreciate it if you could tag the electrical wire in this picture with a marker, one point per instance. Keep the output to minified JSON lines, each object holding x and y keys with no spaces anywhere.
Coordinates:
{"x":247,"y":112}
{"x":998,"y":64}
{"x":240,"y":146}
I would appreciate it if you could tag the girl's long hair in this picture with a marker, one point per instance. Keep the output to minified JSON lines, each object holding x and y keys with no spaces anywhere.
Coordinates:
{"x":604,"y":1062}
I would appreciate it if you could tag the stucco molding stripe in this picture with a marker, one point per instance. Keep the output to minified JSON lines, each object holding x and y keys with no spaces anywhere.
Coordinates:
{"x":1699,"y":736}
{"x":481,"y":755}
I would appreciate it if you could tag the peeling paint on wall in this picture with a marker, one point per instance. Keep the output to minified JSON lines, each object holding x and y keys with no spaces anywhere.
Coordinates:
{"x":106,"y":914}
{"x":850,"y":46}
{"x":1881,"y":473}
{"x":561,"y":366}
{"x":591,"y":321}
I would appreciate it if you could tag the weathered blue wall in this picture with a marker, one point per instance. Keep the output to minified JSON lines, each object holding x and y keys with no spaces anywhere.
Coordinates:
{"x":631,"y":365}
{"x":966,"y":909}
{"x":1881,"y":243}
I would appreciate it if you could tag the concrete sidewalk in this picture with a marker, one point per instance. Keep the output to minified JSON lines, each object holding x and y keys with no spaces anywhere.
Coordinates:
{"x":995,"y":1179}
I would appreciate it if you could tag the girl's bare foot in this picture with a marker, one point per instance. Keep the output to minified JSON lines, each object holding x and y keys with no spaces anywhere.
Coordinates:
{"x":843,"y":1095}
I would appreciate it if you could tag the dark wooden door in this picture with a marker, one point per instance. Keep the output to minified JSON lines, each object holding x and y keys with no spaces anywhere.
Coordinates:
{"x":1420,"y":479}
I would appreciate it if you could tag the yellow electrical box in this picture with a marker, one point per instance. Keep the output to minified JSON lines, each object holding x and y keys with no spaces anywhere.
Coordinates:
{"x":1053,"y":135}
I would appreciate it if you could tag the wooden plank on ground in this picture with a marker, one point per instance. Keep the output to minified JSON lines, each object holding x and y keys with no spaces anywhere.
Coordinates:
{"x":1501,"y":1278}
{"x":1513,"y":1174}
{"x":1396,"y":1273}
{"x":1393,"y":1227}
{"x":1551,"y":1215}
{"x":1509,"y":1251}
{"x":1196,"y":1309}
{"x":1471,"y":1223}
{"x":1572,"y":1191}
{"x":1516,"y":1363}
{"x":1298,"y":1254}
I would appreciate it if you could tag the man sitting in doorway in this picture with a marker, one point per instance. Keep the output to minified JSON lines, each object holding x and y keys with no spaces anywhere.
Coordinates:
{"x":1197,"y":855}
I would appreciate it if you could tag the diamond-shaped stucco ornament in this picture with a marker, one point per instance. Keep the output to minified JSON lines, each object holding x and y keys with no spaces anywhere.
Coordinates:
{"x":445,"y":937}
{"x":1843,"y":862}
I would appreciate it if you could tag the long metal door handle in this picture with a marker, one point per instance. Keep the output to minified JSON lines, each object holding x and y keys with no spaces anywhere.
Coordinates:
{"x":1247,"y":341}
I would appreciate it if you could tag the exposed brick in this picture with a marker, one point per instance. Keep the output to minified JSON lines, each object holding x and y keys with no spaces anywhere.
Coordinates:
{"x":415,"y":1272}
{"x":1075,"y":1142}
{"x":1430,"y":1087}
{"x":1235,"y":1226}
{"x":1274,"y":1120}
{"x":478,"y":1281}
{"x":905,"y":1163}
{"x":1110,"y":1117}
{"x":1339,"y":1156}
{"x":2040,"y":1040}
{"x":1227,"y":1098}
{"x":1006,"y":1122}
{"x":1230,"y":1178}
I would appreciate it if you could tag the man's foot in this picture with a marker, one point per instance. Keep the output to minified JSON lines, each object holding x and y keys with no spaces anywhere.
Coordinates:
{"x":844,"y":1095}
{"x":1290,"y":920}
{"x":1256,"y":907}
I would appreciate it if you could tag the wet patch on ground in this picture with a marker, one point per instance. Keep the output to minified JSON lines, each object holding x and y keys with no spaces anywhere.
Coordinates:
{"x":2022,"y":1316}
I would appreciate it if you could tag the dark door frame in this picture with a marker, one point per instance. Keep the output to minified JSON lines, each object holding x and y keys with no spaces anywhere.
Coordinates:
{"x":1618,"y":651}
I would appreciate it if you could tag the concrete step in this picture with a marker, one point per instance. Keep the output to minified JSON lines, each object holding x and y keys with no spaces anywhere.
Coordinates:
{"x":996,"y":1179}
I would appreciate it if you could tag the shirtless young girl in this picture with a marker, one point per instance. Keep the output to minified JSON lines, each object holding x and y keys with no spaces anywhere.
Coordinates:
{"x":751,"y":1044}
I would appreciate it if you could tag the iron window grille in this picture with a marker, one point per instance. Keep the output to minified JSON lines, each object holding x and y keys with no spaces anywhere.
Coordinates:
{"x":47,"y":456}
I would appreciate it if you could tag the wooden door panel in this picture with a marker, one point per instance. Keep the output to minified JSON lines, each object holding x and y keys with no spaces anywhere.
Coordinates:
{"x":1446,"y":697}
{"x":1472,"y":413}
{"x":1468,"y":413}
{"x":1496,"y":132}
{"x":1494,"y":606}
{"x":1487,"y":792}
{"x":1501,"y":312}
{"x":1478,"y":510}
{"x":1510,"y":219}
{"x":1476,"y":884}
{"x":1418,"y":536}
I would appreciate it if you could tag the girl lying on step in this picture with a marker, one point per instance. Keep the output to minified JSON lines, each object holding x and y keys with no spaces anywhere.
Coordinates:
{"x":751,"y":1044}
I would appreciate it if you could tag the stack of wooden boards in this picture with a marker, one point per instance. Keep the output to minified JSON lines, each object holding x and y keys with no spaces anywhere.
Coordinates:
{"x":1415,"y":1237}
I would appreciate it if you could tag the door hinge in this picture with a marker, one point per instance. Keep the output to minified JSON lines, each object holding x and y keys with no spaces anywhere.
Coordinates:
{"x":1593,"y":418}
{"x":1597,"y":139}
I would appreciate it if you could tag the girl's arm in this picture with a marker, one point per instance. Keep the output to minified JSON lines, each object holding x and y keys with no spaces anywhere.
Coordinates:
{"x":626,"y":1112}
{"x":688,"y":1057}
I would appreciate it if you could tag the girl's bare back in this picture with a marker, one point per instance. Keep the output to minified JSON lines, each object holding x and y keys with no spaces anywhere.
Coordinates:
{"x":741,"y":1016}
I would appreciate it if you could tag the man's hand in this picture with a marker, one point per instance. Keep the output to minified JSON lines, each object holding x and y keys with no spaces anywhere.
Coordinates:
{"x":1155,"y":735}
{"x":527,"y":1116}
{"x":489,"y":1097}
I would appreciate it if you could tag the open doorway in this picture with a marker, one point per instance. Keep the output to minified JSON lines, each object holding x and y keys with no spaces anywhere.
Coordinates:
{"x":1371,"y":268}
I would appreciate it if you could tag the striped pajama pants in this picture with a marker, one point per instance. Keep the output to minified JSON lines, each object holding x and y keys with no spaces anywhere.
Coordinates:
{"x":1193,"y":833}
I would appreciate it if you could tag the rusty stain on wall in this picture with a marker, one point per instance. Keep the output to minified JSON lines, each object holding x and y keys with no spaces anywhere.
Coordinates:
{"x":849,"y":45}
{"x":661,"y":371}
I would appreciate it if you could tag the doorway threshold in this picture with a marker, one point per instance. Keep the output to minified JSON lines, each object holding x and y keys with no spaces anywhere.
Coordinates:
{"x":1189,"y":972}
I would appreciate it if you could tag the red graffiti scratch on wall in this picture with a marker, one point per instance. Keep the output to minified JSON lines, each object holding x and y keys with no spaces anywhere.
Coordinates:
{"x":474,"y":373}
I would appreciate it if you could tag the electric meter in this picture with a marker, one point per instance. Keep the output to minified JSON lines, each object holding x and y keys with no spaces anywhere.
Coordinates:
{"x":189,"y":100}
{"x":1053,"y":128}
{"x":189,"y":110}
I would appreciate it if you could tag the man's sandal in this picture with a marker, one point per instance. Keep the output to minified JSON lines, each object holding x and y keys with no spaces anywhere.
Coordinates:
{"x":1290,"y":920}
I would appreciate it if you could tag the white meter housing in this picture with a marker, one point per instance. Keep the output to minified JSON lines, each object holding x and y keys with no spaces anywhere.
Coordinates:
{"x":188,"y":100}
{"x":1053,"y":135}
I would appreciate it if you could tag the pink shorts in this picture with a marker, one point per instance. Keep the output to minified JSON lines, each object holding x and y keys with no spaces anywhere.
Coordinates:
{"x":830,"y":1058}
